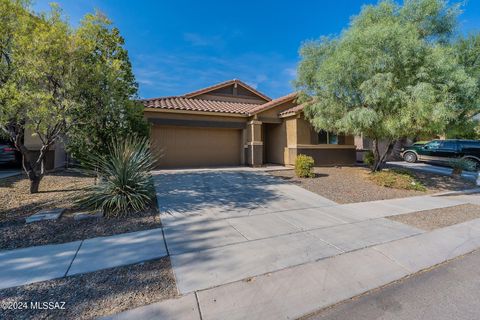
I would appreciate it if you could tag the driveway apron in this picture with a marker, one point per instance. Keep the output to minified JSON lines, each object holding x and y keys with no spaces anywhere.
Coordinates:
{"x":221,"y":226}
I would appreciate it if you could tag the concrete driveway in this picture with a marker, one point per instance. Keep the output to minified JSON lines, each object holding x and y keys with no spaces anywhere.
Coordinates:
{"x":222,"y":226}
{"x":5,"y":173}
{"x":431,"y":168}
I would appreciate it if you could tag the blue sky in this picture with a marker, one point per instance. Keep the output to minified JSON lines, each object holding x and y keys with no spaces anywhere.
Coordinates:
{"x":183,"y":45}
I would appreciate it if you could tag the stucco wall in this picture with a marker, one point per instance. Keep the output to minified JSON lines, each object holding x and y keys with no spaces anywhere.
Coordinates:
{"x":186,"y":116}
{"x":55,"y":157}
{"x":325,"y":155}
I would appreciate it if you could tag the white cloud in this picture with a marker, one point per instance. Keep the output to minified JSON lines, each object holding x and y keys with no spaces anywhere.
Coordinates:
{"x":163,"y":74}
{"x":291,"y":72}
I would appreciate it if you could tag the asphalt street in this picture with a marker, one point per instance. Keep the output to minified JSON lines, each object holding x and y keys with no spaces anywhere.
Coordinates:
{"x":450,"y":291}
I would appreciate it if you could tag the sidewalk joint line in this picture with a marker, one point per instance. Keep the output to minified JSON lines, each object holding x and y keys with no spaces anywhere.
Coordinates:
{"x":392,"y":260}
{"x":198,"y":305}
{"x":74,"y":257}
{"x":237,"y":230}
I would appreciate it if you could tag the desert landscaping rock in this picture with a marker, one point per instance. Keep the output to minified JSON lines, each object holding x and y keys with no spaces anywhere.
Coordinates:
{"x":58,"y":190}
{"x":52,"y":214}
{"x":439,"y":218}
{"x":351,"y":184}
{"x":96,"y":294}
{"x":18,"y":234}
{"x":87,"y":215}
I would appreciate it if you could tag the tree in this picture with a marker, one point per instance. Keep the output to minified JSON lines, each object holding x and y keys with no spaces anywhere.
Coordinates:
{"x":466,"y":124}
{"x":107,"y":89}
{"x":57,"y":83}
{"x":391,"y":74}
{"x":38,"y":76}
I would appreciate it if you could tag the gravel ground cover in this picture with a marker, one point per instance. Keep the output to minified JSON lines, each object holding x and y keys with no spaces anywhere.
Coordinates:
{"x":352,"y":184}
{"x":439,"y":218}
{"x":95,"y":294}
{"x":57,"y":190}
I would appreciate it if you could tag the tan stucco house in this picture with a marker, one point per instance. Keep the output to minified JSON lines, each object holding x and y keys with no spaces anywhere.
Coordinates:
{"x":231,"y":124}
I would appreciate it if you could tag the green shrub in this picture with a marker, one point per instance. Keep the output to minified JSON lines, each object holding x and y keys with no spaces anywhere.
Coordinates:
{"x":304,"y":166}
{"x":462,"y":164}
{"x":369,"y":158}
{"x":124,"y":181}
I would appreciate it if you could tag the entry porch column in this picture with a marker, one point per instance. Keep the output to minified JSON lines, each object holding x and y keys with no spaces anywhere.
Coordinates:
{"x":254,"y":143}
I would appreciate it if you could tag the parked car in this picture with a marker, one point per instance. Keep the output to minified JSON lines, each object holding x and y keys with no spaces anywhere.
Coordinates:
{"x":443,"y":151}
{"x":8,"y":155}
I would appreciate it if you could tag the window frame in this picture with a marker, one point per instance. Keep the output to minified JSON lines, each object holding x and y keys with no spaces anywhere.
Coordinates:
{"x":329,"y":135}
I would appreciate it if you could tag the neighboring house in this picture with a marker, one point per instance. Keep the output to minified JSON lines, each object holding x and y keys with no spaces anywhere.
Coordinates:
{"x":231,"y":124}
{"x":56,"y":156}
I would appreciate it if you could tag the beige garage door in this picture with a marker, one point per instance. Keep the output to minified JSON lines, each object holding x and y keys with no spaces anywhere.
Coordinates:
{"x":196,"y":147}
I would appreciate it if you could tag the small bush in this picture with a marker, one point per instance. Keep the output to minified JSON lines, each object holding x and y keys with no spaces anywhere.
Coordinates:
{"x":304,"y":166}
{"x":369,"y":158}
{"x":397,"y":179}
{"x":462,"y":164}
{"x":124,"y":181}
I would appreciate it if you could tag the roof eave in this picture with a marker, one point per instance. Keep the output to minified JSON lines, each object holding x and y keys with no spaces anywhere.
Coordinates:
{"x":197,"y":112}
{"x":226,"y":84}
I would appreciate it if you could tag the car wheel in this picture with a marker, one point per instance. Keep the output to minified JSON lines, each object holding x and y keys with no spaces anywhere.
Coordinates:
{"x":410,"y":157}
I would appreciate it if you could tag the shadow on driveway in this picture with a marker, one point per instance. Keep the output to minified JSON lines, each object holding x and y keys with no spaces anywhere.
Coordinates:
{"x":191,"y":192}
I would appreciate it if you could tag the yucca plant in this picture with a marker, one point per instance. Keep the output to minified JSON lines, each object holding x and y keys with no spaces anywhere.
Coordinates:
{"x":124,"y":182}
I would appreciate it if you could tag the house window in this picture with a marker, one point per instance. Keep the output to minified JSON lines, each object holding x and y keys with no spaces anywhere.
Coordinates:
{"x":325,"y":137}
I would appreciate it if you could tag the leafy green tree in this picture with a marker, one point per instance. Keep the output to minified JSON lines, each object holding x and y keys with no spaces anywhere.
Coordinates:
{"x":107,"y":89}
{"x":57,"y":83}
{"x":466,"y":124}
{"x":38,"y":75}
{"x":391,"y":74}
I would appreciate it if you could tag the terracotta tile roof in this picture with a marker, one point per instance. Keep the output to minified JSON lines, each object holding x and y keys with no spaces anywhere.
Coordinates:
{"x":188,"y":102}
{"x":293,"y":110}
{"x":192,"y":104}
{"x":225,"y":84}
{"x":273,"y":103}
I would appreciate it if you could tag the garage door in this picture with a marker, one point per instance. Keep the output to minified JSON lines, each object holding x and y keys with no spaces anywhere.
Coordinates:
{"x":178,"y":147}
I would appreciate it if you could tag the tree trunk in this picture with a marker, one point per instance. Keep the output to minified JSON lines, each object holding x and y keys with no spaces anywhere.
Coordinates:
{"x":34,"y":176}
{"x":35,"y":184}
{"x":376,"y":156}
{"x":33,"y":167}
{"x":380,"y":157}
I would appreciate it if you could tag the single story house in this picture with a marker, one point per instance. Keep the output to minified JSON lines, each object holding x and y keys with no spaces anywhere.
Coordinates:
{"x":231,"y":124}
{"x":56,"y":156}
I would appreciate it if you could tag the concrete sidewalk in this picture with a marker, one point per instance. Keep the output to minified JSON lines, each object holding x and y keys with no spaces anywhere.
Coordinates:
{"x":34,"y":264}
{"x":294,"y":292}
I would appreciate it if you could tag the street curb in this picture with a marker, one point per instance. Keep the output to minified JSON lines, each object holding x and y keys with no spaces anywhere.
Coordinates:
{"x":302,"y":290}
{"x":456,"y":193}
